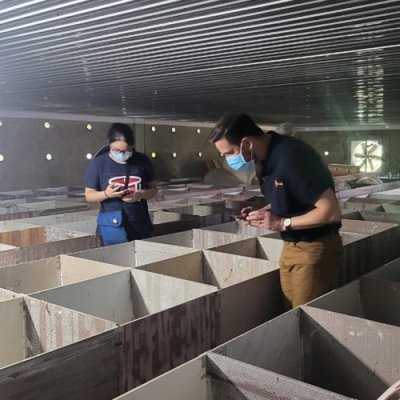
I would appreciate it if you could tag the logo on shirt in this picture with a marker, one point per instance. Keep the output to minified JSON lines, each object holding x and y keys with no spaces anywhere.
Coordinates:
{"x":277,"y":183}
{"x":133,"y":184}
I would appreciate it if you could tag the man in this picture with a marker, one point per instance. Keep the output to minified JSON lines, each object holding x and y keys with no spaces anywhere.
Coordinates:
{"x":287,"y":128}
{"x":303,"y":206}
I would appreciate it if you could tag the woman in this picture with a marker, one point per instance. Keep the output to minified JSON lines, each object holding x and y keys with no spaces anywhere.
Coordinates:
{"x":106,"y":177}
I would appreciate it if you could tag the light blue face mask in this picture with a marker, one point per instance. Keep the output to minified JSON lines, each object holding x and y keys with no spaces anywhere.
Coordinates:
{"x":121,"y":157}
{"x":238,"y":163}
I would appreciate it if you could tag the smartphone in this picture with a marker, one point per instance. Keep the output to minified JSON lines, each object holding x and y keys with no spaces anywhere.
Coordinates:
{"x":117,"y":186}
{"x":239,"y":217}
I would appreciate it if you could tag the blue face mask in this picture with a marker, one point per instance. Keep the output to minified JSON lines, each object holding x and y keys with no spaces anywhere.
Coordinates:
{"x":121,"y":157}
{"x":238,"y":163}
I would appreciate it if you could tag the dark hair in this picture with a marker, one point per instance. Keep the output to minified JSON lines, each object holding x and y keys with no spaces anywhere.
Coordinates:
{"x":234,"y":127}
{"x":121,"y":132}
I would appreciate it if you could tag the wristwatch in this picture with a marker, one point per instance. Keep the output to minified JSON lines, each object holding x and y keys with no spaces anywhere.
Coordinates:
{"x":287,"y":224}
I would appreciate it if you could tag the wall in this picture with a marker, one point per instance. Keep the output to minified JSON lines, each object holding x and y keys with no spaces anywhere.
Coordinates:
{"x":338,"y":143}
{"x":25,"y":142}
{"x":186,"y":142}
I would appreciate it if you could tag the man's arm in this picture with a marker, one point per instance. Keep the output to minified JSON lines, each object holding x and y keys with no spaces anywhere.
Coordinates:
{"x":326,"y":211}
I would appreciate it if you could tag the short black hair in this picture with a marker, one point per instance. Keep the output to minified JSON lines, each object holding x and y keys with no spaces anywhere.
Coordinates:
{"x":122,"y":132}
{"x":234,"y":127}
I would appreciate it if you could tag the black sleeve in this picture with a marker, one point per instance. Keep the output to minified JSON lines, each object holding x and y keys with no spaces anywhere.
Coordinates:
{"x":307,"y":177}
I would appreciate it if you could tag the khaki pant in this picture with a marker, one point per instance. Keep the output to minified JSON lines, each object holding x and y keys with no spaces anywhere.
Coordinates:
{"x":310,"y":269}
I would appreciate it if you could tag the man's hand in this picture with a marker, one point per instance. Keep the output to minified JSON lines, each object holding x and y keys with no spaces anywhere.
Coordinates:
{"x":245,"y":212}
{"x":265,"y":219}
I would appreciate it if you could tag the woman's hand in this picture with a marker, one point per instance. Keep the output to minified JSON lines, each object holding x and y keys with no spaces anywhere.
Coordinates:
{"x":134,"y":196}
{"x":113,"y":192}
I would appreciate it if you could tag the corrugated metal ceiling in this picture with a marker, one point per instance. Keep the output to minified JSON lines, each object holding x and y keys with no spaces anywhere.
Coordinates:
{"x":307,"y":61}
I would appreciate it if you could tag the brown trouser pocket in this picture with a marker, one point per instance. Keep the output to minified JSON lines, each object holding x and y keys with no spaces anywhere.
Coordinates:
{"x":310,"y":269}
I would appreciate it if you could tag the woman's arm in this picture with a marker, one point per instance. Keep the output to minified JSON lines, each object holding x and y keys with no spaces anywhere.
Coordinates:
{"x":97,"y":196}
{"x":138,"y":195}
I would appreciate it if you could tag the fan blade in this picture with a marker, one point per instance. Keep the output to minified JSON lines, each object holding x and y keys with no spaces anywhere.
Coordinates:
{"x":372,"y":149}
{"x":371,"y":165}
{"x":364,"y":147}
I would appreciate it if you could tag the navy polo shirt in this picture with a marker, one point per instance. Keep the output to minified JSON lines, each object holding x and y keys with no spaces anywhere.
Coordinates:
{"x":294,"y":177}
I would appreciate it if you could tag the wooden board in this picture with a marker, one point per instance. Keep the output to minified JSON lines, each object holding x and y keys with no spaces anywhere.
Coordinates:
{"x":25,"y":237}
{"x":162,"y":341}
{"x":52,"y":249}
{"x":87,"y":370}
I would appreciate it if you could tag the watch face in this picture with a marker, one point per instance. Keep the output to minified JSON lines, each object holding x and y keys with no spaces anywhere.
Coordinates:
{"x":287,"y":222}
